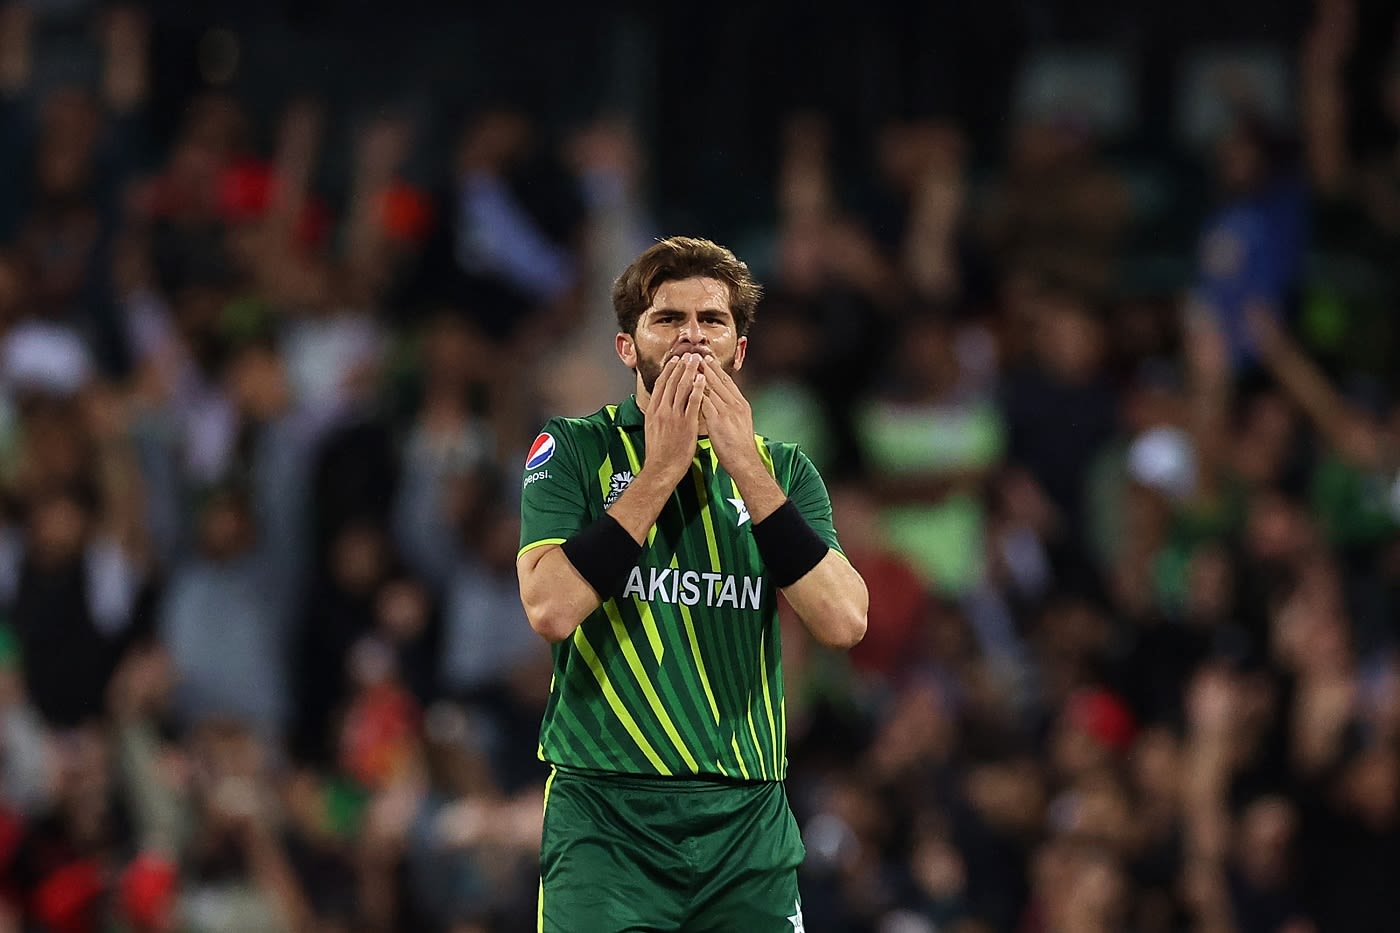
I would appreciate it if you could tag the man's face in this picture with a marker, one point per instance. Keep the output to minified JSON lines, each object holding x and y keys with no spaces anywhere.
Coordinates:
{"x":224,"y":530}
{"x":58,"y":531}
{"x":686,"y":316}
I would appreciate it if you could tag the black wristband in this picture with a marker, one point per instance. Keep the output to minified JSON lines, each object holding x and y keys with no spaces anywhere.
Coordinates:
{"x":604,"y":554}
{"x":788,"y":545}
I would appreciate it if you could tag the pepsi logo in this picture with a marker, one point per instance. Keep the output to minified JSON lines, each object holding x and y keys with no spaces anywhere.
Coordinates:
{"x":540,"y":451}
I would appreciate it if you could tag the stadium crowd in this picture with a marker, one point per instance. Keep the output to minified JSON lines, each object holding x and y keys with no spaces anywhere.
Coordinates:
{"x":1131,"y":543}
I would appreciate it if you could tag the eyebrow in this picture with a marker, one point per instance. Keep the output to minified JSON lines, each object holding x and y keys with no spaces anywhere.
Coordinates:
{"x":721,"y":311}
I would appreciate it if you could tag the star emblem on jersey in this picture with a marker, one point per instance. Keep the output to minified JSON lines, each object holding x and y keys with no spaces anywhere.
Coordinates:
{"x":796,"y":920}
{"x":619,"y":482}
{"x":742,"y":509}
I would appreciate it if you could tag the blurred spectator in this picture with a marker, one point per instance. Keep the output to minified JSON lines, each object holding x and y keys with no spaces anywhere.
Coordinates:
{"x":580,"y":374}
{"x":341,"y":609}
{"x":830,"y":272}
{"x":1059,"y":211}
{"x":223,"y":624}
{"x":1059,"y":408}
{"x":487,"y":660}
{"x":780,"y":379}
{"x":503,"y":249}
{"x":78,"y":572}
{"x":930,"y":445}
{"x":1252,"y":249}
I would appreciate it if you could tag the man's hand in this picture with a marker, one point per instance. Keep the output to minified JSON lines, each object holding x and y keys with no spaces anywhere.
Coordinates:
{"x":729,"y":422}
{"x":673,"y":418}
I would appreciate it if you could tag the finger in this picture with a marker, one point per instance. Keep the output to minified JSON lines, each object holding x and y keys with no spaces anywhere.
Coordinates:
{"x":664,"y":390}
{"x":718,"y":374}
{"x":720,"y":382}
{"x":709,"y":408}
{"x":697,"y":399}
{"x":713,"y":375}
{"x":687,"y":381}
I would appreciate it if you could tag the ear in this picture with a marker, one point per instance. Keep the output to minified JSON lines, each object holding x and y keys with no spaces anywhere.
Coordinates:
{"x":626,"y":350}
{"x":741,"y":350}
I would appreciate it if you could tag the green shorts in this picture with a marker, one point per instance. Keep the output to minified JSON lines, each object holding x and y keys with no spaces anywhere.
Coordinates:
{"x":661,"y":855}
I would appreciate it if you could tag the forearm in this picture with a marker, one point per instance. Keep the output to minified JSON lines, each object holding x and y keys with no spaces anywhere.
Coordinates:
{"x":124,"y":497}
{"x":556,"y":596}
{"x":277,"y":881}
{"x":637,"y":509}
{"x":762,"y":494}
{"x":1208,"y":411}
{"x":1203,"y":804}
{"x":832,"y":601}
{"x":1324,"y":136}
{"x":125,"y":66}
{"x":830,"y":598}
{"x":1322,"y":62}
{"x":1307,"y":386}
{"x":1309,"y":389}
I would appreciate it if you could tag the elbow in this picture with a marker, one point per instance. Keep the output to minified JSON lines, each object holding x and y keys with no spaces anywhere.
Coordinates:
{"x":856,"y":617}
{"x":844,"y":618}
{"x":549,"y":616}
{"x":845,"y":631}
{"x":551,"y":625}
{"x":854,"y":630}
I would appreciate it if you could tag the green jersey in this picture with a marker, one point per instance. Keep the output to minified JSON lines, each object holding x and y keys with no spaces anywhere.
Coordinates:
{"x":682,"y":674}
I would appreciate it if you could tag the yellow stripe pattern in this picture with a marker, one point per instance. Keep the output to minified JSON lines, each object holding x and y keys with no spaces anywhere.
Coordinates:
{"x":658,"y":648}
{"x":766,"y":455}
{"x":605,"y":475}
{"x":636,"y":464}
{"x":629,"y":651}
{"x":706,"y":514}
{"x":590,"y":658}
{"x":695,"y":651}
{"x":768,"y":706}
{"x":548,"y":785}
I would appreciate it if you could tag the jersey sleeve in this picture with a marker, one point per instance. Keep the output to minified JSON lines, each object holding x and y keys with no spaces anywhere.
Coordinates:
{"x":553,"y":507}
{"x":808,"y":492}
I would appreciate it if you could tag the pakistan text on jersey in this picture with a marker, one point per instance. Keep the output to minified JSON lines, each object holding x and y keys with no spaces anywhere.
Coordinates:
{"x":692,"y":588}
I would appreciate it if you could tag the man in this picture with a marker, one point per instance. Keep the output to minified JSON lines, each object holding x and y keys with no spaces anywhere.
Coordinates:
{"x":655,"y":534}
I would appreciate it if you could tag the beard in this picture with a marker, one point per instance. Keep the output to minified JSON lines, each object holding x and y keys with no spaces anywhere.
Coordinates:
{"x":650,"y":369}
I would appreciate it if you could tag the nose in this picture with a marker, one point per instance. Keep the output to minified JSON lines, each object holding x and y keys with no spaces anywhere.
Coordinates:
{"x":692,"y":332}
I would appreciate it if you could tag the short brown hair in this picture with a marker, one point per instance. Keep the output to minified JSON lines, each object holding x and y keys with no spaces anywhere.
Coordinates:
{"x":682,"y":257}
